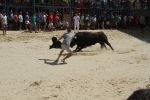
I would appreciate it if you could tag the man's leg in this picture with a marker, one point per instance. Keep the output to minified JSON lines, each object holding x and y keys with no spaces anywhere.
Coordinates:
{"x":60,"y":54}
{"x":74,"y":27}
{"x":69,"y":55}
{"x":78,"y":27}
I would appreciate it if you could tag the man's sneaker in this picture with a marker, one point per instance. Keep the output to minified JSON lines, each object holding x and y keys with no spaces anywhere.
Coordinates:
{"x":62,"y":60}
{"x":36,"y":31}
{"x":30,"y":31}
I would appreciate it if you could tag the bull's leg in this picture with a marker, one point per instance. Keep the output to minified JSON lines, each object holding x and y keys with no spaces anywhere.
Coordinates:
{"x":103,"y":45}
{"x":109,"y":45}
{"x":77,"y":47}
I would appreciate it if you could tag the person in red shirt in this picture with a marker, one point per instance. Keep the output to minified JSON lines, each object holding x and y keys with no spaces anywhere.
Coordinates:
{"x":50,"y":21}
{"x":16,"y":21}
{"x":56,"y":21}
{"x":137,"y":21}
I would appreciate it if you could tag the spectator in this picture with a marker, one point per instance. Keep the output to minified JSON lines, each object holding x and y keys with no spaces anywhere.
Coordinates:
{"x":11,"y":20}
{"x":50,"y":26}
{"x":27,"y":22}
{"x":119,"y":21}
{"x":130,"y":21}
{"x":33,"y":23}
{"x":146,"y":19}
{"x":56,"y":21}
{"x":50,"y":20}
{"x":107,"y":21}
{"x":94,"y":22}
{"x":4,"y":23}
{"x":43,"y":21}
{"x":39,"y":18}
{"x":20,"y":21}
{"x":116,"y":21}
{"x":111,"y":21}
{"x":87,"y":19}
{"x":142,"y":23}
{"x":125,"y":21}
{"x":82,"y":21}
{"x":1,"y":16}
{"x":76,"y":19}
{"x":137,"y":21}
{"x":102,"y":21}
{"x":16,"y":20}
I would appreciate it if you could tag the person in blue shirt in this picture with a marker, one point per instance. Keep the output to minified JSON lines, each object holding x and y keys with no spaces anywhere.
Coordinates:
{"x":11,"y":20}
{"x":102,"y":20}
{"x":107,"y":21}
{"x":39,"y":18}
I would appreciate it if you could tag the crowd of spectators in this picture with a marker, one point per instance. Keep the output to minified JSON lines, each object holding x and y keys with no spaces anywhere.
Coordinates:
{"x":39,"y":21}
{"x":112,"y":21}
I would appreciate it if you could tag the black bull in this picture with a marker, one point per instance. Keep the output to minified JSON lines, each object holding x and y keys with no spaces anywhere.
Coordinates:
{"x":85,"y":39}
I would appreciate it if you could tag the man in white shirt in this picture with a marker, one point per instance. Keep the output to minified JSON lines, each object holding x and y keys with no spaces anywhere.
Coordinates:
{"x":76,"y":19}
{"x":20,"y":20}
{"x":1,"y":16}
{"x":44,"y":19}
{"x":125,"y":21}
{"x":4,"y":23}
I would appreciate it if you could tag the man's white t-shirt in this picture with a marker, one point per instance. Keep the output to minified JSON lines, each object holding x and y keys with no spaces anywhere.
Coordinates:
{"x":20,"y":18}
{"x":125,"y":18}
{"x":4,"y":19}
{"x":44,"y":18}
{"x":76,"y":19}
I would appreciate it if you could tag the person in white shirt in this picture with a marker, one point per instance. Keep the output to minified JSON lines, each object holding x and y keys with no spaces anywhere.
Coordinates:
{"x":44,"y":19}
{"x":4,"y":23}
{"x":130,"y":20}
{"x":94,"y":22}
{"x":125,"y":20}
{"x":50,"y":26}
{"x":20,"y":20}
{"x":1,"y":15}
{"x":76,"y":19}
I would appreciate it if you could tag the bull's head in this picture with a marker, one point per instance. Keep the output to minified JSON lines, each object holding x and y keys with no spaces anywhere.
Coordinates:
{"x":73,"y":42}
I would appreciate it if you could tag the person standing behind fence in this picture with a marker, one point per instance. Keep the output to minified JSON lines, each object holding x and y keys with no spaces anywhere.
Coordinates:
{"x":142,"y":23}
{"x":4,"y":23}
{"x":116,"y":20}
{"x":44,"y":21}
{"x":20,"y":21}
{"x":86,"y":20}
{"x":11,"y":20}
{"x":111,"y":21}
{"x":76,"y":19}
{"x":82,"y":21}
{"x":56,"y":21}
{"x":16,"y":21}
{"x":33,"y":23}
{"x":27,"y":22}
{"x":94,"y":19}
{"x":107,"y":21}
{"x":39,"y":18}
{"x":1,"y":16}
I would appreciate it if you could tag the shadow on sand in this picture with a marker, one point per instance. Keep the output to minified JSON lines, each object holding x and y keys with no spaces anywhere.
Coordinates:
{"x":52,"y":62}
{"x":135,"y":32}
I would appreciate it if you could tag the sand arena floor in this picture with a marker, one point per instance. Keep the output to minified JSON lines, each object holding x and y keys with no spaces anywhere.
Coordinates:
{"x":27,"y":71}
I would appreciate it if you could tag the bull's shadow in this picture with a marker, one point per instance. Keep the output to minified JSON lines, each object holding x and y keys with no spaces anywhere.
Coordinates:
{"x":145,"y":36}
{"x":51,"y":62}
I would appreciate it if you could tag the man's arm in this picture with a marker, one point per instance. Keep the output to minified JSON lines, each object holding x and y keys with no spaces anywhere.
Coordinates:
{"x":60,"y":38}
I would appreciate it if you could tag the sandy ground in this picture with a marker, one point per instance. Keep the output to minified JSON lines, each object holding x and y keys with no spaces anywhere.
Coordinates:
{"x":27,"y":71}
